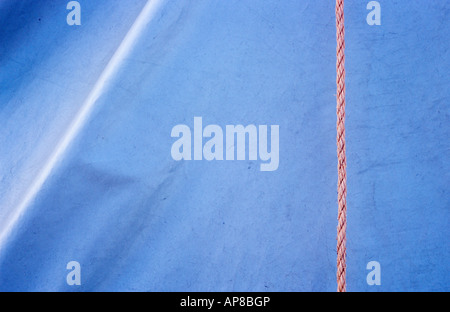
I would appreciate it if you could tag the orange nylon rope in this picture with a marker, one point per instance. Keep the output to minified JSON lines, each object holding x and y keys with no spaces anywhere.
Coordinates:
{"x":340,"y":140}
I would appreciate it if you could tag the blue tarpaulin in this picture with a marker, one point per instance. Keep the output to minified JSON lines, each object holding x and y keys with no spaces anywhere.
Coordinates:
{"x":87,"y":172}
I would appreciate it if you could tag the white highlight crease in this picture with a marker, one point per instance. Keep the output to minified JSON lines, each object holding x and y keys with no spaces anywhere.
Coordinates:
{"x":125,"y":47}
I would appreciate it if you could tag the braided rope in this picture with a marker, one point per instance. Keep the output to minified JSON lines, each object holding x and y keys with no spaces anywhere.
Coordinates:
{"x":340,"y":139}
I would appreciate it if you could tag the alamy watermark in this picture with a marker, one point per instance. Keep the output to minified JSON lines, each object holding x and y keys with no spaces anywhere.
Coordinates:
{"x":74,"y":276}
{"x":374,"y":276}
{"x":213,"y":149}
{"x":74,"y":16}
{"x":374,"y":16}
